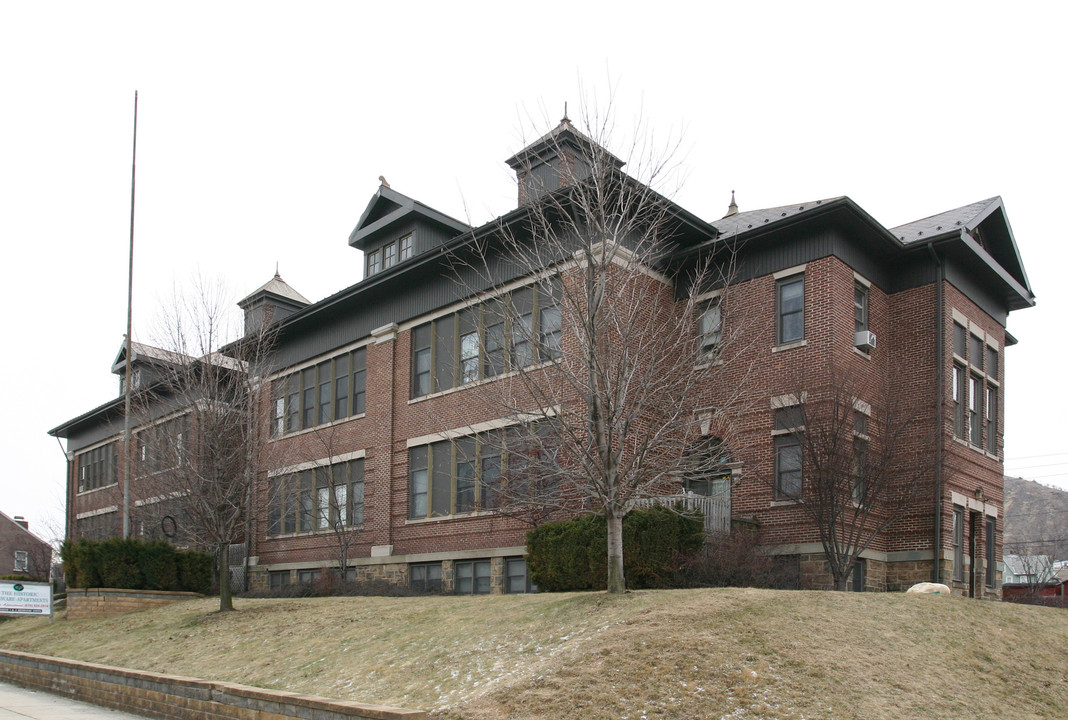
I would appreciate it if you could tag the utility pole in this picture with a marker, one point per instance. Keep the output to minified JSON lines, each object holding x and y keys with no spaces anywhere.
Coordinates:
{"x":127,"y":438}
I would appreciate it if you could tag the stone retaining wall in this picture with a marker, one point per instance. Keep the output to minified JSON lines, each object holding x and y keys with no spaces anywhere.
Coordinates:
{"x":179,"y":698}
{"x":85,"y":603}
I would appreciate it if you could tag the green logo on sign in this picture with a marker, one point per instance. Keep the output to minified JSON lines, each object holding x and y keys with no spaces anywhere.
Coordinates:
{"x":19,"y":587}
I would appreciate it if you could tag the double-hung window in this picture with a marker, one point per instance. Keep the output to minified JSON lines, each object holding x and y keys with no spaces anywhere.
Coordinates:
{"x":789,"y":424}
{"x":374,"y":262}
{"x":860,"y":305}
{"x":975,"y":386}
{"x":958,"y":543}
{"x":709,"y":330}
{"x":790,"y":296}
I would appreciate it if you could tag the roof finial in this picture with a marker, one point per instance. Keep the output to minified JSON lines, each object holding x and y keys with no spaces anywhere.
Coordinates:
{"x":732,"y":209}
{"x":565,"y":118}
{"x":276,"y":270}
{"x":382,"y":180}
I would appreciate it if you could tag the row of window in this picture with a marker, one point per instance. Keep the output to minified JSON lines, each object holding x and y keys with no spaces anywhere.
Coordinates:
{"x":486,"y":340}
{"x":975,"y":390}
{"x":389,"y":255}
{"x":320,"y":498}
{"x":470,"y":577}
{"x":331,"y":390}
{"x":162,"y":446}
{"x":471,"y":473}
{"x":98,"y":467}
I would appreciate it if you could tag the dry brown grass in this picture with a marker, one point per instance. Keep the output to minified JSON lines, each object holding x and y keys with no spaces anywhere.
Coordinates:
{"x":656,"y":654}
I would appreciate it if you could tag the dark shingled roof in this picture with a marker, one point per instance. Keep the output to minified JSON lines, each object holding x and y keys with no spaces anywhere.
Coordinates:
{"x":962,"y":218}
{"x":743,"y":222}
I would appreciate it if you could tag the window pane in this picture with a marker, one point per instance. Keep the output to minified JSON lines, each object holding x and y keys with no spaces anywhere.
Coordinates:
{"x":791,"y":310}
{"x":421,"y":360}
{"x":975,"y":352}
{"x":482,"y":577}
{"x":445,"y":353}
{"x":417,"y":492}
{"x":464,"y":578}
{"x":441,"y":480}
{"x":469,"y":358}
{"x":359,"y":381}
{"x":992,"y":362}
{"x":960,"y":338}
{"x":465,"y":475}
{"x":709,"y":327}
{"x":860,"y":302}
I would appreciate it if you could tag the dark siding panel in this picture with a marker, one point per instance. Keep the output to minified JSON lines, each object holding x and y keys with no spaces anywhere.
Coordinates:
{"x":977,"y":292}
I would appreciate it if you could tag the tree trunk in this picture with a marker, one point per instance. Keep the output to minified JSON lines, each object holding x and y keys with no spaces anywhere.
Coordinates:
{"x":616,"y":582}
{"x":226,"y":599}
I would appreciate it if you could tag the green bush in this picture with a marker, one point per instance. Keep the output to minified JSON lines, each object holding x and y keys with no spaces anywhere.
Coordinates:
{"x":196,"y":571}
{"x":135,"y":565}
{"x":572,"y":554}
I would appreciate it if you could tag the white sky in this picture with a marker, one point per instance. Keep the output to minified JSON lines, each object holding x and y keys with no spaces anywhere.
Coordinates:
{"x":263,"y":128}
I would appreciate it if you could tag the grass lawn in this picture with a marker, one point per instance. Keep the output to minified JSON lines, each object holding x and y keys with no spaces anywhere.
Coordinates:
{"x":713,"y":653}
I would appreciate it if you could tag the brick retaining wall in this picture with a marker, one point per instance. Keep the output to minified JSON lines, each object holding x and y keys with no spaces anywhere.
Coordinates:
{"x":85,"y":603}
{"x":179,"y":698}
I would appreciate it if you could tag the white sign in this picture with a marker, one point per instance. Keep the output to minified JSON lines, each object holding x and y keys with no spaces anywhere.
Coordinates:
{"x":25,"y":598}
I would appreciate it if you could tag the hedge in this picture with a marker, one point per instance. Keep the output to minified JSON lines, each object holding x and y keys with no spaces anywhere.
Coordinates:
{"x":572,"y":554}
{"x":130,"y":564}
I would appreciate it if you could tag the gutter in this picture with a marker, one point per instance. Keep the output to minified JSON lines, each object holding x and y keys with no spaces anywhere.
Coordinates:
{"x":940,"y":389}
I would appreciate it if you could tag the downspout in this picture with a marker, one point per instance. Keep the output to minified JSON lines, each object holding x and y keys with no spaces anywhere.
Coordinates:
{"x":940,"y":389}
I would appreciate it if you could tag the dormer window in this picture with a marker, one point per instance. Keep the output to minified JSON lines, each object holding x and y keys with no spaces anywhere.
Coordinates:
{"x":374,"y":262}
{"x":389,"y":256}
{"x":405,"y":247}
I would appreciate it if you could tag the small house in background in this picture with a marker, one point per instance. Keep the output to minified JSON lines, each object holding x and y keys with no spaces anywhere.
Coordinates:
{"x":22,"y":552}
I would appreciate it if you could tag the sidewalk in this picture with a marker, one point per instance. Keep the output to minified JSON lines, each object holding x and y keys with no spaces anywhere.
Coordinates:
{"x":22,"y":703}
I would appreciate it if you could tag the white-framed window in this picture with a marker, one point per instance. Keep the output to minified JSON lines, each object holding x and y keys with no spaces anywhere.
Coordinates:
{"x":709,"y":330}
{"x":861,"y":294}
{"x":389,"y":256}
{"x":790,"y":308}
{"x":406,"y":247}
{"x":374,"y":262}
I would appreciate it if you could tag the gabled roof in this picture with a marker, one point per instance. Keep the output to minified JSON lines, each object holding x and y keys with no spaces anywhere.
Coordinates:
{"x":147,"y":353}
{"x":279,"y":287}
{"x":983,"y":228}
{"x":388,"y":208}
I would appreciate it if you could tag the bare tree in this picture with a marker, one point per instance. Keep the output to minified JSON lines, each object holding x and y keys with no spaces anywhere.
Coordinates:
{"x":598,"y":361}
{"x":1032,"y":564}
{"x":850,"y":454}
{"x":201,"y":427}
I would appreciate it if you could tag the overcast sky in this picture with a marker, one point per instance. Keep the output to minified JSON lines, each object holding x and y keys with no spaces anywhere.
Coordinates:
{"x":263,"y":128}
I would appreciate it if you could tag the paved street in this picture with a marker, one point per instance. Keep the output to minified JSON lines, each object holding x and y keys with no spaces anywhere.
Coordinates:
{"x":16,"y":702}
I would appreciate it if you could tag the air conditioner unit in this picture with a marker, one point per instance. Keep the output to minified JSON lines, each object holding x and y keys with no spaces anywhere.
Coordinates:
{"x":864,"y":339}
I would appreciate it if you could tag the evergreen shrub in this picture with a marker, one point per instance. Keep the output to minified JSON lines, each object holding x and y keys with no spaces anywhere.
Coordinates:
{"x":130,"y":564}
{"x":572,"y":554}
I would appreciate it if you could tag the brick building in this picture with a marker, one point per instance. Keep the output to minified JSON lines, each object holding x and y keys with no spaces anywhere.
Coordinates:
{"x":22,"y":552}
{"x":376,"y":384}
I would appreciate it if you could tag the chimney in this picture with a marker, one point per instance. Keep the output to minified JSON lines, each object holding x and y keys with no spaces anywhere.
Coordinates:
{"x":22,"y":521}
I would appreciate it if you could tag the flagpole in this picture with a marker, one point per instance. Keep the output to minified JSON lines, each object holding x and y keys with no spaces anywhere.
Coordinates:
{"x":127,"y":384}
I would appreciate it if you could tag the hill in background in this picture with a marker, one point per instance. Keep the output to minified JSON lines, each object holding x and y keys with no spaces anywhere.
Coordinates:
{"x":1036,"y":519}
